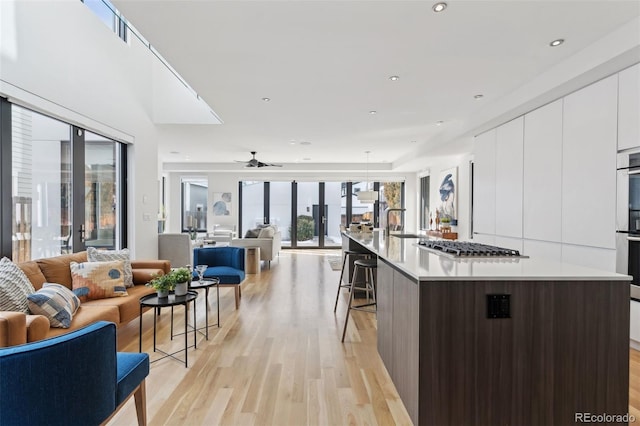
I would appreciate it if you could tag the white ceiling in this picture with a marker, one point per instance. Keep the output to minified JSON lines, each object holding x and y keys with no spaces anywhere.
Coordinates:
{"x":326,"y":64}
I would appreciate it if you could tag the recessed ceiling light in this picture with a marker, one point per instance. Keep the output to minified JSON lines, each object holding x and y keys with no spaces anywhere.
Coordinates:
{"x":556,"y":42}
{"x":394,"y":78}
{"x":439,"y":123}
{"x":305,"y":143}
{"x":439,"y":7}
{"x":292,"y":143}
{"x":174,"y":152}
{"x":266,"y":99}
{"x":373,"y":112}
{"x":413,"y":141}
{"x":478,"y":97}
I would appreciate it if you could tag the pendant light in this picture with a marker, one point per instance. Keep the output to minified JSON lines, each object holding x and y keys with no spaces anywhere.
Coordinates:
{"x":366,"y":196}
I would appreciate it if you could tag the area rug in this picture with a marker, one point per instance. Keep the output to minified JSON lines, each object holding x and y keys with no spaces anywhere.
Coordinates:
{"x":335,"y":262}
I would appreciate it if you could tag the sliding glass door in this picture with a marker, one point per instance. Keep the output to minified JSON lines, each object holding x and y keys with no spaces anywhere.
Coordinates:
{"x":308,"y":214}
{"x":65,"y":188}
{"x":252,"y":205}
{"x":280,"y":209}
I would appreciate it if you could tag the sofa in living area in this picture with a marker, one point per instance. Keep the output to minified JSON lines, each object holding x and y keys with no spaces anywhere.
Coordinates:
{"x":19,"y":327}
{"x":267,"y":237}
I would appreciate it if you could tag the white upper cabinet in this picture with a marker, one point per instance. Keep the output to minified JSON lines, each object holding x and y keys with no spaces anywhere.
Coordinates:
{"x":509,"y":146}
{"x":543,"y":173}
{"x":589,"y":165}
{"x":629,"y":108}
{"x":484,"y":185}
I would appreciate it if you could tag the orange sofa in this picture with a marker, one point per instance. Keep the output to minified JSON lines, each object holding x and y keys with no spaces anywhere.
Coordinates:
{"x":17,"y":328}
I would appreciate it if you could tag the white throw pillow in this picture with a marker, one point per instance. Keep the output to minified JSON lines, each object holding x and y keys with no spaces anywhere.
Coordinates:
{"x":14,"y":287}
{"x":95,"y":255}
{"x":266,"y":232}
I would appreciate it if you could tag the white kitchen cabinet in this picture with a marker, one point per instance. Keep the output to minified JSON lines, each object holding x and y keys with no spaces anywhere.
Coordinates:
{"x":484,"y":239}
{"x":510,"y":243}
{"x":542,"y":250}
{"x":542,"y":190}
{"x":591,"y":257}
{"x":634,"y":332}
{"x":484,"y":185}
{"x":509,"y":151}
{"x":589,"y":165}
{"x":629,"y":108}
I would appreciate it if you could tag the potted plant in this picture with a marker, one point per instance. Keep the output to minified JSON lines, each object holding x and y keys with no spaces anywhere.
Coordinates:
{"x":181,"y":277}
{"x":162,"y":284}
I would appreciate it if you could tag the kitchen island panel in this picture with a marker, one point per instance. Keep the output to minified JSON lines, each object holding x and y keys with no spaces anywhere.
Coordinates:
{"x":562,"y":351}
{"x":384,"y":313}
{"x":406,"y":342}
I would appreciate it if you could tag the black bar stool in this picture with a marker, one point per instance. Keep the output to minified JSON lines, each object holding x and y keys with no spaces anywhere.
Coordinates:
{"x":368,"y":266}
{"x":347,"y":254}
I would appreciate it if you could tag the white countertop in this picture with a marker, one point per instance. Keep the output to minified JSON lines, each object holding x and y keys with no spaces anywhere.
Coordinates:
{"x":425,"y":265}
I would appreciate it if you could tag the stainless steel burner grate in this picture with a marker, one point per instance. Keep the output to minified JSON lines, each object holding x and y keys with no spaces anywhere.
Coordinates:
{"x":460,"y":248}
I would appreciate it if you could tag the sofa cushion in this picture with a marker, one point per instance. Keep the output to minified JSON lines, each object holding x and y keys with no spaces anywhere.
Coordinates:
{"x":56,"y":269}
{"x":226,"y":274}
{"x":95,"y":255}
{"x":128,"y":307}
{"x":98,"y":280}
{"x":14,"y":287}
{"x":143,"y":276}
{"x":88,"y":315}
{"x":33,"y":273}
{"x":56,"y":302}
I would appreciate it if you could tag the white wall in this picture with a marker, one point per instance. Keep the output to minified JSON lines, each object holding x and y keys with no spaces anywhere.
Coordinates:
{"x":59,"y":59}
{"x":435,"y":169}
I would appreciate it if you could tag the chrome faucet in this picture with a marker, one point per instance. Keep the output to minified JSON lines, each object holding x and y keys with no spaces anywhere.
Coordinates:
{"x":387,"y":211}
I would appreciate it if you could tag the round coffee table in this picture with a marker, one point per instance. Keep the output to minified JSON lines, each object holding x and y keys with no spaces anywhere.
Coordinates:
{"x":155,"y":302}
{"x":206,"y":284}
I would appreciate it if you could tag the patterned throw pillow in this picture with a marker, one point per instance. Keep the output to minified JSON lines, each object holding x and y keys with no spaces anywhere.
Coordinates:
{"x":95,"y":255}
{"x":55,"y":302}
{"x":98,"y":280}
{"x":14,"y":287}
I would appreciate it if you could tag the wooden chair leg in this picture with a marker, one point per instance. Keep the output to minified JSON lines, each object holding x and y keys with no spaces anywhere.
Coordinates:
{"x":237,"y":296}
{"x":140,"y":397}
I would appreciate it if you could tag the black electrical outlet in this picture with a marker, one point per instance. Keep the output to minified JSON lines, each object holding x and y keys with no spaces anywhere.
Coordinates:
{"x":498,"y":306}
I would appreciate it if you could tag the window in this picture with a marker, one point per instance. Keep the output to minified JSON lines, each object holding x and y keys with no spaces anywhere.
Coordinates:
{"x":424,"y":202}
{"x":194,"y":204}
{"x":67,"y":189}
{"x":109,"y":15}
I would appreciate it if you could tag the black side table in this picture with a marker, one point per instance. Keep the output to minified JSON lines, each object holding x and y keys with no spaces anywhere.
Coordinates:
{"x":206,"y":284}
{"x":153,"y":301}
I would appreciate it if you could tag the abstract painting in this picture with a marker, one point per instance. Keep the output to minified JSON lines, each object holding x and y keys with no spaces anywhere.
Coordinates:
{"x":221,"y":203}
{"x":448,"y":193}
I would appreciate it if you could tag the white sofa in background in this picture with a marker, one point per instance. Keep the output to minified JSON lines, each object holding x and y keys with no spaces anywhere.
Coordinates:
{"x":269,"y":246}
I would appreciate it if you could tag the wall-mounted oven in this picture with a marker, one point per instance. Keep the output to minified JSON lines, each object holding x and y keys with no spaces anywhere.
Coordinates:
{"x":628,"y":219}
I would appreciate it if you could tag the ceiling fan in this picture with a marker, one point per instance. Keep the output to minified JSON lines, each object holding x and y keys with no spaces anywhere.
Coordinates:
{"x":255,"y":163}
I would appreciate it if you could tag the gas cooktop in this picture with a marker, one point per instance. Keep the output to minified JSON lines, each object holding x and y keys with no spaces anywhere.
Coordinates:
{"x":467,"y":249}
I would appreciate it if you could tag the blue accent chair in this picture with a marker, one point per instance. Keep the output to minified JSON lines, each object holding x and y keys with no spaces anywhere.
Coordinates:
{"x":225,"y":263}
{"x":73,"y":379}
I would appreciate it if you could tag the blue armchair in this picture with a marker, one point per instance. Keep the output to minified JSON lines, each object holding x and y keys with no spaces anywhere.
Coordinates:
{"x":73,"y":379}
{"x":225,"y":263}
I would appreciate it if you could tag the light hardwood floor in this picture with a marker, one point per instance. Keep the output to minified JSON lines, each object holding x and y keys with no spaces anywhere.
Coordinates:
{"x":278,"y":360}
